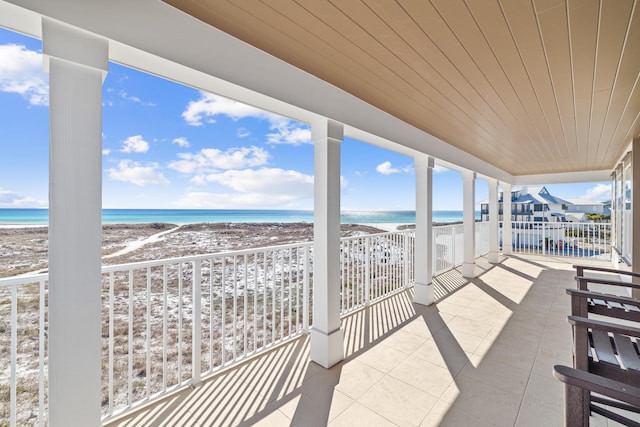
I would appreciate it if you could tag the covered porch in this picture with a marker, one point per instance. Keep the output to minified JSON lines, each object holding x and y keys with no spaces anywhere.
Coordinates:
{"x":482,"y":353}
{"x":476,"y":343}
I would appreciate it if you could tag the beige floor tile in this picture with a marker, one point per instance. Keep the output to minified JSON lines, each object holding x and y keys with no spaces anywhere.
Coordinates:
{"x":534,"y":415}
{"x":404,"y":341}
{"x":272,"y":419}
{"x":498,"y":375}
{"x":358,"y":415}
{"x":545,"y":391}
{"x":382,"y":357}
{"x":468,"y":342}
{"x":315,"y":404}
{"x":423,"y":375}
{"x":515,"y":356}
{"x":483,"y":401}
{"x":420,"y":328}
{"x":450,"y":308}
{"x":473,"y":327}
{"x":398,"y":402}
{"x":446,"y":354}
{"x":444,"y":414}
{"x":356,"y":378}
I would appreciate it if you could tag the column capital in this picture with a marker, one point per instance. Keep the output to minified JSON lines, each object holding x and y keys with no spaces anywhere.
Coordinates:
{"x":325,"y":129}
{"x":468,"y":174}
{"x":70,"y":44}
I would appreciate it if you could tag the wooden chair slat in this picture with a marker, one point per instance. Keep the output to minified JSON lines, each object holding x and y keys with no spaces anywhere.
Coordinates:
{"x":603,"y":347}
{"x":627,"y":352}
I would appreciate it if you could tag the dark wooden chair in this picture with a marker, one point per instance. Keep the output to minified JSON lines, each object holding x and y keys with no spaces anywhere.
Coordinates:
{"x":585,"y":300}
{"x":611,"y":397}
{"x":605,"y":349}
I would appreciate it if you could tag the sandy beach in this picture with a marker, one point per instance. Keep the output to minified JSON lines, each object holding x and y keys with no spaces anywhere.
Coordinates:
{"x":25,"y":249}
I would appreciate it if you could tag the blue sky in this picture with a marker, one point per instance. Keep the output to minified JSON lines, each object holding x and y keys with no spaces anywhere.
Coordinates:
{"x":171,"y":146}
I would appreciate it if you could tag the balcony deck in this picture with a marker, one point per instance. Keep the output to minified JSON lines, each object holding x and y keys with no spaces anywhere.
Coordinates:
{"x":483,"y":354}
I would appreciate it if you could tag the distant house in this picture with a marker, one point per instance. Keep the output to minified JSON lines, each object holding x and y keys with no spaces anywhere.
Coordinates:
{"x":587,"y":206}
{"x":534,"y":204}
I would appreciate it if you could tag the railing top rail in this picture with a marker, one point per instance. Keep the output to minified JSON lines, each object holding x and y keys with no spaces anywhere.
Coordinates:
{"x":383,"y":234}
{"x":23,"y":279}
{"x":192,"y":258}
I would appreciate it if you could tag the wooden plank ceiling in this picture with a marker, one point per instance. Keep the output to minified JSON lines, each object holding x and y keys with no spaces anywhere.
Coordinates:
{"x":530,"y":86}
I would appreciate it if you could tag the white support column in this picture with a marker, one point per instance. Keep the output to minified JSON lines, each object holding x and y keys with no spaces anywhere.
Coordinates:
{"x":494,"y":249}
{"x":469,"y":219}
{"x":77,"y":63}
{"x":327,"y":346}
{"x":507,"y":244}
{"x":423,"y":289}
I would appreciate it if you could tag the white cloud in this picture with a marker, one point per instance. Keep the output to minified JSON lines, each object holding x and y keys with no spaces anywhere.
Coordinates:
{"x":242,"y":133}
{"x":439,"y":169}
{"x":210,"y":160}
{"x":182,"y":141}
{"x":124,"y":95}
{"x":135,"y":144}
{"x":261,"y":188}
{"x":273,"y":181}
{"x":204,"y":200}
{"x":386,"y":169}
{"x":106,"y":152}
{"x":285,"y":131}
{"x":21,"y":72}
{"x":135,"y":173}
{"x":289,"y":132}
{"x":599,"y":193}
{"x":11,"y":199}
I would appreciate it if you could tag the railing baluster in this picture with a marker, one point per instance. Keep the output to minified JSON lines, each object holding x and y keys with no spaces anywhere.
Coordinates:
{"x":14,"y":356}
{"x":255,"y":302}
{"x":281,"y":262}
{"x":41,"y":350}
{"x":164,"y":328}
{"x":264,"y":299}
{"x":245,"y":320}
{"x":180,"y":297}
{"x":148,"y":366}
{"x":223,"y":261}
{"x":130,"y":341}
{"x":196,"y":322}
{"x":111,"y":304}
{"x":367,"y":272}
{"x":305,"y":290}
{"x":211,"y":308}
{"x":235,"y":304}
{"x":273,"y":298}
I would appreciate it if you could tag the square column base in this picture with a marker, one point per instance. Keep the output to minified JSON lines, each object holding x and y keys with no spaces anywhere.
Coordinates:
{"x":494,"y":257}
{"x":327,"y":349}
{"x":469,"y":270}
{"x":507,"y":250}
{"x":423,"y":293}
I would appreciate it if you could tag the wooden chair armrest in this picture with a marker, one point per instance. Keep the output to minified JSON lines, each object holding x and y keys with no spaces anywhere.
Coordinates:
{"x":611,"y":282}
{"x":604,"y":326}
{"x":581,"y":268}
{"x":599,"y":295}
{"x":595,"y":383}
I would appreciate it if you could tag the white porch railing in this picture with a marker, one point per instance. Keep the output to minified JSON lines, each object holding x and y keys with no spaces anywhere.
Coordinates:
{"x":576,"y":240}
{"x":246,"y":301}
{"x":374,"y":266}
{"x":23,"y":350}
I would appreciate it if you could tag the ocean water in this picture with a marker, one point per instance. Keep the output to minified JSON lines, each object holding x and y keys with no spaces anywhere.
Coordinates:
{"x":186,"y":216}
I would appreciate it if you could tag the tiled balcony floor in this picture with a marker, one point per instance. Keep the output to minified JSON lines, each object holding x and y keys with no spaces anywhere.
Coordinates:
{"x":482,"y":355}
